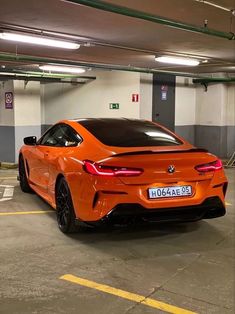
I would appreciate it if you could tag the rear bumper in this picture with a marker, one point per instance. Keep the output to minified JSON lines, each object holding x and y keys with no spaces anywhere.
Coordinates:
{"x":123,"y":213}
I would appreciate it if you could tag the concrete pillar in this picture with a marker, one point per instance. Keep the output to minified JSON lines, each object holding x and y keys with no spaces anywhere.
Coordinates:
{"x":185,"y":108}
{"x":214,"y":112}
{"x":27,"y":111}
{"x":20,"y":120}
{"x":230,"y":118}
{"x":146,"y":96}
{"x":7,"y":122}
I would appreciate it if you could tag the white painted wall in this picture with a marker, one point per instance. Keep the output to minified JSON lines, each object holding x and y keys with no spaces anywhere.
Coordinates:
{"x":67,"y":101}
{"x":185,"y":101}
{"x":6,"y":115}
{"x":146,"y":96}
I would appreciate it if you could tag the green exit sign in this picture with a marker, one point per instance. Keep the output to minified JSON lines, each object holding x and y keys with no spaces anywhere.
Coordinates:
{"x":114,"y":106}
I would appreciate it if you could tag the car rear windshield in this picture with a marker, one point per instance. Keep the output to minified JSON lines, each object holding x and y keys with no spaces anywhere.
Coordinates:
{"x":129,"y":133}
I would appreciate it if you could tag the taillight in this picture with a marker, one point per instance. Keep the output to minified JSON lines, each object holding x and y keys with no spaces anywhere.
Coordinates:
{"x":212,"y":166}
{"x":110,"y":171}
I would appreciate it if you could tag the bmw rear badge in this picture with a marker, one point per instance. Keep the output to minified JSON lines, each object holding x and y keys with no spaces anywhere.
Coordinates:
{"x":171,"y":169}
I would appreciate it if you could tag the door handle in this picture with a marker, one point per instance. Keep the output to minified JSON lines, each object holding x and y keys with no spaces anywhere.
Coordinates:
{"x":157,"y":114}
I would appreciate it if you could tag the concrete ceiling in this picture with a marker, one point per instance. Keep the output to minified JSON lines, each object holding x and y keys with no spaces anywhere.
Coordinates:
{"x":107,"y":33}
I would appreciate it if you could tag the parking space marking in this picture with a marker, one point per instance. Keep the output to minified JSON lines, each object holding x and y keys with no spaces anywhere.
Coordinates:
{"x":7,"y":193}
{"x":126,"y":295}
{"x":5,"y":199}
{"x":27,"y":212}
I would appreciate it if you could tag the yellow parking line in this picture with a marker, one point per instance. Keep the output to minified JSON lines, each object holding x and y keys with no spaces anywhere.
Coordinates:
{"x":228,"y":204}
{"x":126,"y":295}
{"x":27,"y":213}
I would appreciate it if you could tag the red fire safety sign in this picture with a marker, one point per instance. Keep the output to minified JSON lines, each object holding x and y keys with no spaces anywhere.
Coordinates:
{"x":135,"y":97}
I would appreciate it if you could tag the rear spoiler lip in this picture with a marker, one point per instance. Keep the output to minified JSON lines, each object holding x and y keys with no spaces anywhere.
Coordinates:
{"x":148,"y":152}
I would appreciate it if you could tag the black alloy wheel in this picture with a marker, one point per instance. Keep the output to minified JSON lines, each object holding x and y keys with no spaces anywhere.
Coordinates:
{"x":24,"y":185}
{"x":64,"y":208}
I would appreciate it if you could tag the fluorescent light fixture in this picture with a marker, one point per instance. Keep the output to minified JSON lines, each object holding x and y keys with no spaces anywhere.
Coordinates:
{"x":6,"y":73}
{"x":38,"y":40}
{"x":62,"y":69}
{"x":177,"y":60}
{"x":12,"y":74}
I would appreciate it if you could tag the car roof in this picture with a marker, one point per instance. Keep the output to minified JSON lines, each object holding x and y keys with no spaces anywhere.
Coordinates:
{"x":105,"y":119}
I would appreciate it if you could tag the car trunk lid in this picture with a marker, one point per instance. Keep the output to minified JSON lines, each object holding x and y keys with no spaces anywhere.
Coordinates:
{"x":162,"y":166}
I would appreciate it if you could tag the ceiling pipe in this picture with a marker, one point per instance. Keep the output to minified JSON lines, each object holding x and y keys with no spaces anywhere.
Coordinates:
{"x":214,"y":80}
{"x":105,"y":6}
{"x":33,"y":59}
{"x":57,"y":75}
{"x":210,"y":80}
{"x":34,"y":74}
{"x":36,"y":78}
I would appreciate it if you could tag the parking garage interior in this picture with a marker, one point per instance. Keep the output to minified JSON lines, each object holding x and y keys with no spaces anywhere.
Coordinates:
{"x":114,"y":70}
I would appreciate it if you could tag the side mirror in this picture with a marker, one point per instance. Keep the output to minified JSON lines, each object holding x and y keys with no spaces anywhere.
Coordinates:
{"x":30,"y":140}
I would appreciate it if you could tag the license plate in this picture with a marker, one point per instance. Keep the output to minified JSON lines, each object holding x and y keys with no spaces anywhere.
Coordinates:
{"x":170,"y":191}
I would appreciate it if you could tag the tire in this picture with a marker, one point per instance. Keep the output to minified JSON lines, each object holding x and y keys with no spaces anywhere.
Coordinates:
{"x":64,"y":208}
{"x":24,"y":185}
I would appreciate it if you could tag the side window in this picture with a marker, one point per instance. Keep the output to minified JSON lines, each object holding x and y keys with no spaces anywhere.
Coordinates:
{"x":70,"y":137}
{"x":60,"y":135}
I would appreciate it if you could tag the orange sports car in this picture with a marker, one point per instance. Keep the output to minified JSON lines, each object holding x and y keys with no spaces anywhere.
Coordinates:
{"x":120,"y":170}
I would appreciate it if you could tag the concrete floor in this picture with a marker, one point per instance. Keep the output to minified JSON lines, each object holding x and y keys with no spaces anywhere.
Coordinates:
{"x":190,"y":266}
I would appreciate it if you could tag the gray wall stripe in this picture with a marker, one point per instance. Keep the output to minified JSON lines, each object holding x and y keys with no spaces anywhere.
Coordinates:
{"x":44,"y":128}
{"x":187,"y":132}
{"x":230,"y":139}
{"x":7,"y":143}
{"x":23,"y":131}
{"x":219,"y":140}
